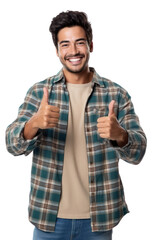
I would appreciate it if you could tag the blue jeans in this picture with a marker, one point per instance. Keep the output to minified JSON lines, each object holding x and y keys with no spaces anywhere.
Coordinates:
{"x":72,"y":229}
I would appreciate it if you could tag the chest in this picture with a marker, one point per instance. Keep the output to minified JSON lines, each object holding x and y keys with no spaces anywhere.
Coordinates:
{"x":95,"y":104}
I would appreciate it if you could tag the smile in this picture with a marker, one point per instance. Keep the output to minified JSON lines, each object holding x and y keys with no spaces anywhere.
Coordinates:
{"x":74,"y":59}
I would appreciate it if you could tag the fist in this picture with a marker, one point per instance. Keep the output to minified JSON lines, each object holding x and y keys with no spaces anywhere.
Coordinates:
{"x":109,"y":127}
{"x":47,"y":115}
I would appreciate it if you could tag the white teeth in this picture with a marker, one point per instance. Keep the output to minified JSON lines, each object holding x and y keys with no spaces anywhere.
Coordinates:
{"x":74,"y":59}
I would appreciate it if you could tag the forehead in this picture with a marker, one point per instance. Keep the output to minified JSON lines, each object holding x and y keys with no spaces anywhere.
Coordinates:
{"x":71,"y":33}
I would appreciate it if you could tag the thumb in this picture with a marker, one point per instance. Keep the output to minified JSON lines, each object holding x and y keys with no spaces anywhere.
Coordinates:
{"x":45,"y":96}
{"x":111,"y":108}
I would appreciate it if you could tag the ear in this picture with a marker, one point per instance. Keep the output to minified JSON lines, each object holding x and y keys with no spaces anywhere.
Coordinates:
{"x":91,"y":47}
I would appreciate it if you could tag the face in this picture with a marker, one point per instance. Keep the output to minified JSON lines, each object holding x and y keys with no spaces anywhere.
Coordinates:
{"x":73,"y":49}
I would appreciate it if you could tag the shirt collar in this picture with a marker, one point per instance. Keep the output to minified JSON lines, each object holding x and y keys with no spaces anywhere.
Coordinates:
{"x":95,"y":80}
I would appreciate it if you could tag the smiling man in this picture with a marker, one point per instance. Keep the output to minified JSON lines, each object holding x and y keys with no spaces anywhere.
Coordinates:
{"x":78,"y":125}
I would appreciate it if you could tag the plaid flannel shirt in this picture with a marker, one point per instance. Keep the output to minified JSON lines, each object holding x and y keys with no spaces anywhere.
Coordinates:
{"x":107,"y":200}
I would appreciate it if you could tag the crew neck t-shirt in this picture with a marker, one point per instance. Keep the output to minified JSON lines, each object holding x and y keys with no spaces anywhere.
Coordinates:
{"x":75,"y":202}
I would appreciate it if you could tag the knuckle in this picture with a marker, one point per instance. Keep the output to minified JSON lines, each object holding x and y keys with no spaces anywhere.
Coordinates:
{"x":45,"y":113}
{"x":52,"y":125}
{"x":45,"y":122}
{"x":45,"y":119}
{"x":54,"y":120}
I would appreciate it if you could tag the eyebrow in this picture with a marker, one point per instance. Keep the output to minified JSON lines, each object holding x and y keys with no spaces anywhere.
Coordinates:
{"x":77,"y":40}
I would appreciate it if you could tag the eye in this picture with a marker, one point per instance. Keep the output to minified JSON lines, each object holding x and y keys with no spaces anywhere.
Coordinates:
{"x":65,"y":45}
{"x":81,"y":43}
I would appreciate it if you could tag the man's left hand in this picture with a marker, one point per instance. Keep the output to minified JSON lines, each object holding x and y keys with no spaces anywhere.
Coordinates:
{"x":109,"y":127}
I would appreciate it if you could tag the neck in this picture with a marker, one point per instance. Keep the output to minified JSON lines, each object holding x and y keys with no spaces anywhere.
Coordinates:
{"x":78,"y":78}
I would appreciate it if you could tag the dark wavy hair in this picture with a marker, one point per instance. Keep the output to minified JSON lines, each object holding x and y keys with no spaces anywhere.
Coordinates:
{"x":70,"y":19}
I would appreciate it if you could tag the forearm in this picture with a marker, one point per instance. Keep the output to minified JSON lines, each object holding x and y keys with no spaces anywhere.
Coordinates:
{"x":132,"y":144}
{"x":134,"y":150}
{"x":123,"y":139}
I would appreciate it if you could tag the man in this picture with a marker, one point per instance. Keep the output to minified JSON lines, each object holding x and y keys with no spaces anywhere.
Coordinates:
{"x":78,"y":126}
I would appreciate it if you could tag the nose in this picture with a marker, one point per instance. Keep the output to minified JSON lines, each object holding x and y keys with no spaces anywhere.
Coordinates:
{"x":73,"y":49}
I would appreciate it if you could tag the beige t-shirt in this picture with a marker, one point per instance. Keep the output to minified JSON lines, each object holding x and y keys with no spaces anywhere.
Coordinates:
{"x":74,"y":202}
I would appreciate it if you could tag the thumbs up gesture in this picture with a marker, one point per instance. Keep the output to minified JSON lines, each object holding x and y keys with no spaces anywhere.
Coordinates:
{"x":47,"y":115}
{"x":109,"y":127}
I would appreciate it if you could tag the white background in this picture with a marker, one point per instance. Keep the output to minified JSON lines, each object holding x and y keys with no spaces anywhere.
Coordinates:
{"x":122,"y":53}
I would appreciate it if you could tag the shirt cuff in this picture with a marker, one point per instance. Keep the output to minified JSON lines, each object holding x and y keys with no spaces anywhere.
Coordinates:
{"x":123,"y":151}
{"x":27,"y":144}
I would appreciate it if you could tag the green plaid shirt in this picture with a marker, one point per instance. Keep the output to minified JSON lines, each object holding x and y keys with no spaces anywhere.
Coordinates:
{"x":107,"y":201}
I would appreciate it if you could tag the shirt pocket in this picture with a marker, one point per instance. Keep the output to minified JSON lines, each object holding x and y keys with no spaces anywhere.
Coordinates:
{"x":93,"y":114}
{"x":102,"y":111}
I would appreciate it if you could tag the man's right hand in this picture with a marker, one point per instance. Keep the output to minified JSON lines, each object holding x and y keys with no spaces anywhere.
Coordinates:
{"x":46,"y":117}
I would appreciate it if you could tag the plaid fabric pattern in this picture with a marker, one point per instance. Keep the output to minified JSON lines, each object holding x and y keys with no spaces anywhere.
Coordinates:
{"x":107,"y":200}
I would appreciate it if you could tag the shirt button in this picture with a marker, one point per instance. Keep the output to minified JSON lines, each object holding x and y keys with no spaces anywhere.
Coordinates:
{"x":94,"y":110}
{"x":92,"y":179}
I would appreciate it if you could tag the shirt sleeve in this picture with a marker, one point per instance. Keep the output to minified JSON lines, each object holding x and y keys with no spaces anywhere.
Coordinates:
{"x":15,"y":142}
{"x":134,"y":150}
